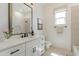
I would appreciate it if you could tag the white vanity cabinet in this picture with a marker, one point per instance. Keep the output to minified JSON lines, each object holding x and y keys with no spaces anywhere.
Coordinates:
{"x":35,"y":47}
{"x":14,"y":51}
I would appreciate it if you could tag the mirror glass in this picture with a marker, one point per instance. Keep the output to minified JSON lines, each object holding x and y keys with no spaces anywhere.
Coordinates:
{"x":21,"y":16}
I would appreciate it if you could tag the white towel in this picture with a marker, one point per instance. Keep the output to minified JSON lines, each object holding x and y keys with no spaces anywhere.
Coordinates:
{"x":59,"y":29}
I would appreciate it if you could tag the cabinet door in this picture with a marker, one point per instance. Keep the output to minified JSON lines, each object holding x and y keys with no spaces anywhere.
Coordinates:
{"x":35,"y":47}
{"x":28,"y":49}
{"x":31,"y":48}
{"x":40,"y":46}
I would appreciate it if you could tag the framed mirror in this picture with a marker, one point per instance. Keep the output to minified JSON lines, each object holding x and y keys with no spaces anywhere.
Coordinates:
{"x":20,"y":18}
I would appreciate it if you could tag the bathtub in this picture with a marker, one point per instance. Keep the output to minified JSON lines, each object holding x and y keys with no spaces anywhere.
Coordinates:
{"x":75,"y":50}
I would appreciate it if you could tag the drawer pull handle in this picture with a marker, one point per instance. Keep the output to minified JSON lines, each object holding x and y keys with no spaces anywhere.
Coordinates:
{"x":34,"y":49}
{"x":15,"y":51}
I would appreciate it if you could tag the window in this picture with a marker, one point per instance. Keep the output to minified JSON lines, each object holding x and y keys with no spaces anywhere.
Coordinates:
{"x":60,"y":16}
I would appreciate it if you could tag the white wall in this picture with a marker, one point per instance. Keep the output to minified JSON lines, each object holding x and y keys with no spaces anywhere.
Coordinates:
{"x":75,"y":25}
{"x":61,"y":41}
{"x":37,"y":13}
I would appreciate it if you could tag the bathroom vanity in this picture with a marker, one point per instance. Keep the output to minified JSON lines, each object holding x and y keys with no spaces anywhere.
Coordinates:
{"x":28,"y":46}
{"x":18,"y":36}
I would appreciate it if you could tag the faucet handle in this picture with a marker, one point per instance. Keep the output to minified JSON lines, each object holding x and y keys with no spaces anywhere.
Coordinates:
{"x":22,"y":36}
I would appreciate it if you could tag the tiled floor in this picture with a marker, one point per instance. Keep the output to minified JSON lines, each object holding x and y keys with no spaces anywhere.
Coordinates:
{"x":53,"y":51}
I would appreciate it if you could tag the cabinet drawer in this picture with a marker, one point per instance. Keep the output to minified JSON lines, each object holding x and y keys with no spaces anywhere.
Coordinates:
{"x":13,"y":51}
{"x":17,"y":49}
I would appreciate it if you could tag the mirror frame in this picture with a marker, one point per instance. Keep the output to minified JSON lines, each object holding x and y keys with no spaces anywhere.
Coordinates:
{"x":10,"y":18}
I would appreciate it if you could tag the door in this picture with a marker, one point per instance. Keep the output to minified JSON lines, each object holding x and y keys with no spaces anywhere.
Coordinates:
{"x":62,"y":28}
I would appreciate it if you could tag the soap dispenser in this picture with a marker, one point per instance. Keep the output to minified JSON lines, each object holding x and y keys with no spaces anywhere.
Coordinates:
{"x":32,"y":33}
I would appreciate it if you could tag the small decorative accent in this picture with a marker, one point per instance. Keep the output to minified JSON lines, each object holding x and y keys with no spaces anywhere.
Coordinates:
{"x":39,"y":24}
